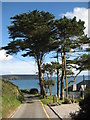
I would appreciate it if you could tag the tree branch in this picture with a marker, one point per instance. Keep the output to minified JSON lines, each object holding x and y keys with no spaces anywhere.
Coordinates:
{"x":74,"y":78}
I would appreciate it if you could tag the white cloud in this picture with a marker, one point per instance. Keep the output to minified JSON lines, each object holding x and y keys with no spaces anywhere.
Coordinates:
{"x":19,"y":67}
{"x":80,"y":13}
{"x":4,"y":56}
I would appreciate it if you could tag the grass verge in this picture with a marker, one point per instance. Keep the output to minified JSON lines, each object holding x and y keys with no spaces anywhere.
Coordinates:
{"x":48,"y":100}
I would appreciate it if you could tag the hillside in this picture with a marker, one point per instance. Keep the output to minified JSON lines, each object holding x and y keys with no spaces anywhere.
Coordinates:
{"x":11,"y":98}
{"x":19,"y":77}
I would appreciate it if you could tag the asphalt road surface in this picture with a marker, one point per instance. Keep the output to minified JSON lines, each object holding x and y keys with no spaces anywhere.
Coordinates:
{"x":31,"y":108}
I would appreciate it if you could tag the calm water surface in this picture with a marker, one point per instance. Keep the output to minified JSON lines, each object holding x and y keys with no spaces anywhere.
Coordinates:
{"x":28,"y":84}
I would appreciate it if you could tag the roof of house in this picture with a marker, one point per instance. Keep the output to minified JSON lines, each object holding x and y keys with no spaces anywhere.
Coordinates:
{"x":78,"y":85}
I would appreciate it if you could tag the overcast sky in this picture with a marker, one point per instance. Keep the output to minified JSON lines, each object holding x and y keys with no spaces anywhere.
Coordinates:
{"x":17,"y":64}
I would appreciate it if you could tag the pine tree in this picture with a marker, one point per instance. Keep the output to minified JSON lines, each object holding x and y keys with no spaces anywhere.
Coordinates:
{"x":33,"y":33}
{"x":70,"y":33}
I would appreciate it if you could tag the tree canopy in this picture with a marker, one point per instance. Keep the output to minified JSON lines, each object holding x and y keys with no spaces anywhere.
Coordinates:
{"x":70,"y":34}
{"x":32,"y":32}
{"x":36,"y":33}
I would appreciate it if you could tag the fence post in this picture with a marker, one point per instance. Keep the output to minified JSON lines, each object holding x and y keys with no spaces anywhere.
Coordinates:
{"x":72,"y":98}
{"x":53,"y":98}
{"x":56,"y":98}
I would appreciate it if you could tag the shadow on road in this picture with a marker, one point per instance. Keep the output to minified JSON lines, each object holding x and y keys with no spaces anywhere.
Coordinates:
{"x":29,"y":98}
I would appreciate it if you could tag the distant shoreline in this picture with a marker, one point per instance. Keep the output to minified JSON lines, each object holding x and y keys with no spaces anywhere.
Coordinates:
{"x":19,"y":77}
{"x":26,"y":77}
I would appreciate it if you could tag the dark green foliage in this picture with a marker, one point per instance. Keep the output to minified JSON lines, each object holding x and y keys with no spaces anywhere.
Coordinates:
{"x":49,"y":83}
{"x":34,"y":34}
{"x":56,"y":65}
{"x":48,"y":69}
{"x":88,"y":49}
{"x":25,"y":91}
{"x":20,"y":98}
{"x":67,"y":101}
{"x":31,"y":91}
{"x":69,"y":33}
{"x":34,"y":91}
{"x":67,"y":29}
{"x":83,"y":62}
{"x":84,"y":112}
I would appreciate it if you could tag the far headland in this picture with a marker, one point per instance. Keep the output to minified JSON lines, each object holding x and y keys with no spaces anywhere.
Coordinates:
{"x":19,"y":76}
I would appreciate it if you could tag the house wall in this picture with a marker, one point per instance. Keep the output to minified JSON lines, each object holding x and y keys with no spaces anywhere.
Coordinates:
{"x":75,"y":94}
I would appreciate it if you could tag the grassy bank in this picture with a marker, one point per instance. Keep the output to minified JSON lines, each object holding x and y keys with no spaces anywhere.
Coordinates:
{"x":11,"y":98}
{"x":48,"y":100}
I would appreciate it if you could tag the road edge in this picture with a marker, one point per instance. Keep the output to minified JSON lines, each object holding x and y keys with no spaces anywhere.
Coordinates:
{"x":11,"y":115}
{"x":45,"y":110}
{"x":54,"y":112}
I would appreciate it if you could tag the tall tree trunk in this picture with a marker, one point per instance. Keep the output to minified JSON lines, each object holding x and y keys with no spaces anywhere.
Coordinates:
{"x":42,"y":88}
{"x":58,"y":82}
{"x":40,"y":75}
{"x":62,"y":86}
{"x":57,"y":78}
{"x":62,"y":79}
{"x":65,"y":72}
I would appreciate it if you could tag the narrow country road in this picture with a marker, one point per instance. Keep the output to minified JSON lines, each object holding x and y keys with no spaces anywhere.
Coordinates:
{"x":32,"y":108}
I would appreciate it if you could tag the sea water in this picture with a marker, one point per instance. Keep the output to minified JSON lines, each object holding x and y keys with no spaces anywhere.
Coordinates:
{"x":34,"y":83}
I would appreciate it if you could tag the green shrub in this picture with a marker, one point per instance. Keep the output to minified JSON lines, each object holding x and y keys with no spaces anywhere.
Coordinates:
{"x":20,"y":98}
{"x":25,"y":91}
{"x":77,"y":100}
{"x":84,"y":104}
{"x":67,"y":101}
{"x":34,"y":91}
